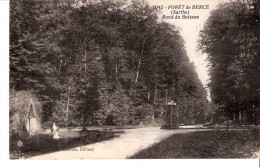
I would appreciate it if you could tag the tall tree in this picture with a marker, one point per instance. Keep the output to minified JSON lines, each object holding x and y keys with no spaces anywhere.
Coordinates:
{"x":230,"y":41}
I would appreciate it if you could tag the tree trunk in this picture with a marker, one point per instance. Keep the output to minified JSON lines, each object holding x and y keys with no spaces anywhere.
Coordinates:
{"x":116,"y":68}
{"x":257,"y":13}
{"x":60,"y":65}
{"x":239,"y":113}
{"x":153,"y":114}
{"x":138,"y":70}
{"x":85,"y":57}
{"x":84,"y":122}
{"x":139,"y":63}
{"x":253,"y":114}
{"x":166,"y":96}
{"x":92,"y":118}
{"x":67,"y":110}
{"x":149,"y":93}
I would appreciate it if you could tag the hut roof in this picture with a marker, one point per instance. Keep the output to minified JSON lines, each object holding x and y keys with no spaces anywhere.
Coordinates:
{"x":31,"y":109}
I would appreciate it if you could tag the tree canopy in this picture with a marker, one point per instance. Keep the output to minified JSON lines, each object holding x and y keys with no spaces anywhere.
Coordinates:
{"x":102,"y":63}
{"x":229,"y":38}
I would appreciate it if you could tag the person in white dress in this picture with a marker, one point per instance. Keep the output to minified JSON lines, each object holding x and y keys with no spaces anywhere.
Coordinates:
{"x":55,"y":131}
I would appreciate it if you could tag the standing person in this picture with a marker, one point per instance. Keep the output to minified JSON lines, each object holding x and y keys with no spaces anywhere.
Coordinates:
{"x":55,"y":131}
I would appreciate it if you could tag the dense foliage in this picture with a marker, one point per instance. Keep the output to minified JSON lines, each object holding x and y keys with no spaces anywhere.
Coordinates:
{"x":230,"y":39}
{"x":102,"y":63}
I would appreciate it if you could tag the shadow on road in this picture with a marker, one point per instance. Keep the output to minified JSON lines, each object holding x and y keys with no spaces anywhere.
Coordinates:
{"x":204,"y":144}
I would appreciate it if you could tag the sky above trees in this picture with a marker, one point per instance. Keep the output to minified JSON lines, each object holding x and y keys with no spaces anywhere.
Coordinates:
{"x":190,"y":29}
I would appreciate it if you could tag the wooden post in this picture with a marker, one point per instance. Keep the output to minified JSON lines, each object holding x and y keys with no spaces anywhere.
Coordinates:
{"x":171,"y":115}
{"x":171,"y":104}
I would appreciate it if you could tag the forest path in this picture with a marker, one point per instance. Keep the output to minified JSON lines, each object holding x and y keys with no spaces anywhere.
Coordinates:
{"x":127,"y":144}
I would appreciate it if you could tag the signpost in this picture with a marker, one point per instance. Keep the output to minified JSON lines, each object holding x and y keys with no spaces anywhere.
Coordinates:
{"x":171,"y":104}
{"x":169,"y":122}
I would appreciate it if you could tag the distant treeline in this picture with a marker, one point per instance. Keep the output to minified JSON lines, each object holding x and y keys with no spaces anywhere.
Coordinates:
{"x":231,"y":38}
{"x":106,"y":63}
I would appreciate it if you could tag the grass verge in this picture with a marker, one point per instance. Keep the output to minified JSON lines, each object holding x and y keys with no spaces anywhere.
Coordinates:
{"x":24,"y":147}
{"x":205,"y":144}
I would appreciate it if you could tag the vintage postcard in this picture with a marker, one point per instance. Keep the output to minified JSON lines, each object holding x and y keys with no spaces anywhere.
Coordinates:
{"x":134,"y":79}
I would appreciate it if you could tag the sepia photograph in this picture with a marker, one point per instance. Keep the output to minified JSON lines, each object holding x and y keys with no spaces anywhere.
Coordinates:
{"x":134,"y":79}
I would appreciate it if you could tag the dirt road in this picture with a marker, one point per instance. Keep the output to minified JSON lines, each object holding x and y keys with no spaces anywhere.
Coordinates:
{"x":126,"y":145}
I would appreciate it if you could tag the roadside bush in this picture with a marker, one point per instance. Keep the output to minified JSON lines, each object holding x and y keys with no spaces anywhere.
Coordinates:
{"x":44,"y":143}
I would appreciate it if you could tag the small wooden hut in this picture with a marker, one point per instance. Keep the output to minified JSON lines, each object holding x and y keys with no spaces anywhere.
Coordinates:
{"x":24,"y":111}
{"x":31,"y":121}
